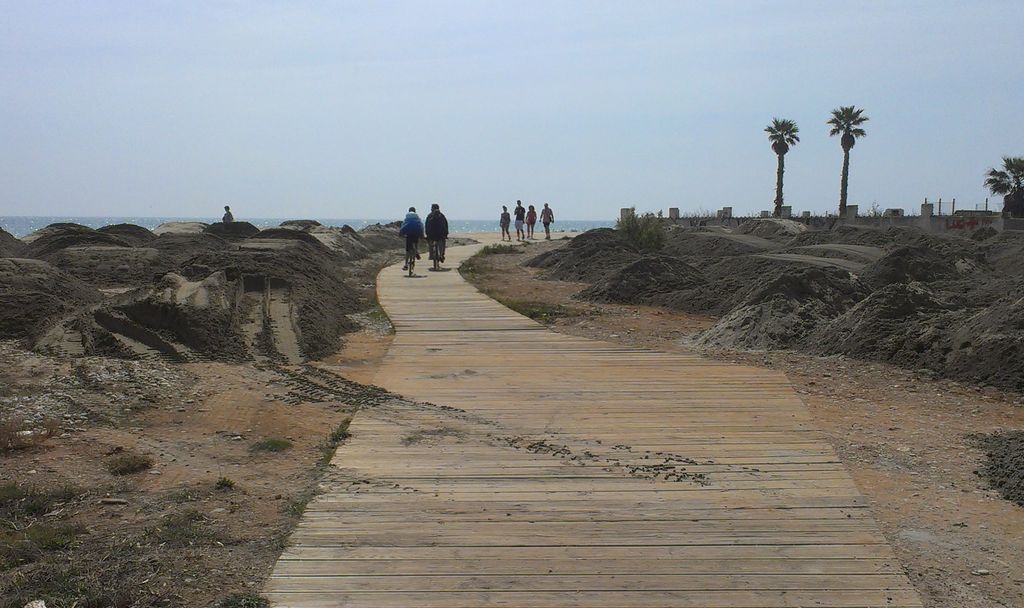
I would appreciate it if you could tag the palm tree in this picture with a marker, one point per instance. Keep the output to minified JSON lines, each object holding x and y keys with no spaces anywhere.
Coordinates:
{"x":846,"y":121}
{"x":783,"y":134}
{"x":1008,"y":181}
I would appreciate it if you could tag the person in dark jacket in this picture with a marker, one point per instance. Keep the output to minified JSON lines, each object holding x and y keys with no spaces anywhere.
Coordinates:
{"x":437,"y":232}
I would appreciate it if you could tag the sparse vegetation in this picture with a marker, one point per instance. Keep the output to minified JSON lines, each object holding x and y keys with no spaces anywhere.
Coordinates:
{"x":244,"y":600}
{"x":501,"y":249}
{"x":645,"y":231}
{"x":224,"y":483}
{"x":539,"y":311}
{"x":185,"y":528}
{"x":126,"y":463}
{"x":16,"y":434}
{"x":24,"y":537}
{"x":296,"y":507}
{"x":337,"y":436}
{"x":271,"y":444}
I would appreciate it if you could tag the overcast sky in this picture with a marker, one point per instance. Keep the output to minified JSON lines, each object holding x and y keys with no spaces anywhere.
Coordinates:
{"x":350,"y":110}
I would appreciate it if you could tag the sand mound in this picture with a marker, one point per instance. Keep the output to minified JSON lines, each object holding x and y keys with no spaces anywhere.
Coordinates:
{"x":1004,"y":468}
{"x":892,"y":324}
{"x":1005,"y":253}
{"x":105,"y":266}
{"x":33,"y":294}
{"x":300,"y":224}
{"x":48,"y":241}
{"x":130,"y":233}
{"x":644,"y":279}
{"x":10,"y":246}
{"x":590,"y":257}
{"x":987,"y":346}
{"x":289,"y":233}
{"x":232,"y":231}
{"x":780,"y":312}
{"x":380,"y":237}
{"x":906,"y":264}
{"x":686,"y":243}
{"x":983,"y":234}
{"x":179,"y":228}
{"x":56,"y":228}
{"x":188,"y":243}
{"x":773,"y":229}
{"x":303,"y":292}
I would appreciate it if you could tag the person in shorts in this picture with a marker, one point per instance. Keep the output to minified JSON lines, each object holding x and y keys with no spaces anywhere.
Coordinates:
{"x":531,"y":221}
{"x":520,"y":212}
{"x":505,"y":222}
{"x":547,"y":217}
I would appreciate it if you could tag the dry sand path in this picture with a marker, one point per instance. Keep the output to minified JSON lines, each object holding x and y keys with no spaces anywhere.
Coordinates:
{"x":542,"y":469}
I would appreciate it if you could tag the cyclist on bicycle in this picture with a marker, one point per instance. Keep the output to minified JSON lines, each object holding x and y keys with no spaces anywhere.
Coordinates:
{"x":437,"y":232}
{"x":412,"y":230}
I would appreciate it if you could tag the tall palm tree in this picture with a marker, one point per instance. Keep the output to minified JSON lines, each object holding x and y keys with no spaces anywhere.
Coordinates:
{"x":782,"y":133}
{"x":1008,"y":181}
{"x":846,"y":121}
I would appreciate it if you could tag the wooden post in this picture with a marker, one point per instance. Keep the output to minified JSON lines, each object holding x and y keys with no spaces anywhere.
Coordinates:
{"x":953,"y":212}
{"x":940,"y":205}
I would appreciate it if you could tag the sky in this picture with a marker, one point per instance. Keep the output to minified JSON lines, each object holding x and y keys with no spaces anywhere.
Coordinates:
{"x":360,"y":109}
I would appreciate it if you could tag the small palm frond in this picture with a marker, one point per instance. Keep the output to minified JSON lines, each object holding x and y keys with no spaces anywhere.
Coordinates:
{"x":847,"y":119}
{"x":783,"y":131}
{"x":1009,"y":179}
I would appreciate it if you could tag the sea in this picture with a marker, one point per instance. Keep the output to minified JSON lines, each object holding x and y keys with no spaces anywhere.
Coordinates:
{"x":21,"y":226}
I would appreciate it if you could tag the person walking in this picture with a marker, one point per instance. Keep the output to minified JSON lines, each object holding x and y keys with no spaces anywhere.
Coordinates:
{"x":505,"y":221}
{"x":437,"y":233}
{"x":228,"y":216}
{"x":520,"y":212}
{"x":547,"y":217}
{"x":531,"y":221}
{"x":412,"y":230}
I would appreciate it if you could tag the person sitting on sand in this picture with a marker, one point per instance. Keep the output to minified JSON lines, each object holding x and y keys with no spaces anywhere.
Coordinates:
{"x":520,"y":212}
{"x":437,"y":231}
{"x":228,"y":217}
{"x":412,"y":230}
{"x":531,"y":220}
{"x":505,"y":221}
{"x":547,"y":217}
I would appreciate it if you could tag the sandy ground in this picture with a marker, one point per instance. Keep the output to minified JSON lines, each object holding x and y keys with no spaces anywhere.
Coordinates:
{"x":905,"y":437}
{"x":204,"y":524}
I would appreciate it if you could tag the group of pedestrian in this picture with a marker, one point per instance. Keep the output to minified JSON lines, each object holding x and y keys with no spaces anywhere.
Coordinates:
{"x":526,"y":219}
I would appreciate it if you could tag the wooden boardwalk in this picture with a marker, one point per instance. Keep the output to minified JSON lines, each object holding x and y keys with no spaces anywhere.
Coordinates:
{"x":547,"y":470}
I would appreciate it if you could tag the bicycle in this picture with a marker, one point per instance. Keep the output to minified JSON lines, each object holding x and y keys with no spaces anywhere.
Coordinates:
{"x":436,"y":253}
{"x":410,"y":260}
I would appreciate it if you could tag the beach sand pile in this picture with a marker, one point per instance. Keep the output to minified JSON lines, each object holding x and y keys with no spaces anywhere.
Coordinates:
{"x":10,"y":246}
{"x":187,"y":292}
{"x":1005,"y":466}
{"x":951,"y":305}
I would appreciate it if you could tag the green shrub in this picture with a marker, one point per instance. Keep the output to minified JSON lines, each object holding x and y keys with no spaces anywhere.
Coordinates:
{"x":271,"y":444}
{"x":646,"y":231}
{"x":126,"y":463}
{"x":496,"y":249}
{"x":224,"y":484}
